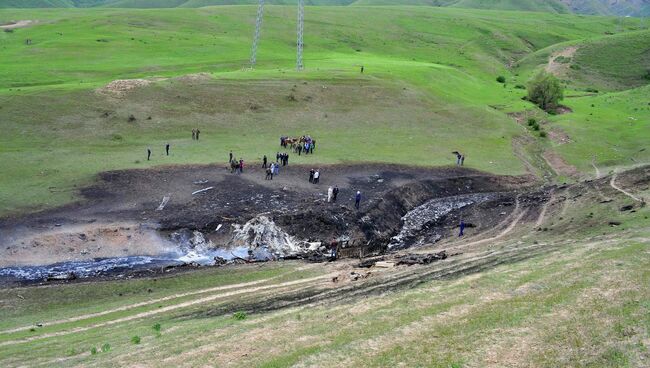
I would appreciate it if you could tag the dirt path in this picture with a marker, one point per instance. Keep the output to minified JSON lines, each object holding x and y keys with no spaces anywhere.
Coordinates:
{"x":149,"y":302}
{"x":542,"y":213}
{"x":17,"y":24}
{"x":172,"y":308}
{"x":612,"y":183}
{"x":558,"y":68}
{"x":593,"y":163}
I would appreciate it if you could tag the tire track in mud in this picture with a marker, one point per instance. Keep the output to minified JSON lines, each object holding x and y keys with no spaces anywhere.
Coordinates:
{"x":547,"y":204}
{"x":612,"y":183}
{"x":167,"y":309}
{"x":149,"y":302}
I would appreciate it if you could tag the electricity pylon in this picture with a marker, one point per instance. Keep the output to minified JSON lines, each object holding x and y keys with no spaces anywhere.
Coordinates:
{"x":258,"y":30}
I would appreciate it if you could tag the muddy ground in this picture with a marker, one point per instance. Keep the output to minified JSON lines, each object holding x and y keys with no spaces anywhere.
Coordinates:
{"x":119,"y":215}
{"x":244,"y":217}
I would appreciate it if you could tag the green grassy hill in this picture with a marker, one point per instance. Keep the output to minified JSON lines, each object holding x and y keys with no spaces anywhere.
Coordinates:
{"x":602,"y":7}
{"x":429,"y":89}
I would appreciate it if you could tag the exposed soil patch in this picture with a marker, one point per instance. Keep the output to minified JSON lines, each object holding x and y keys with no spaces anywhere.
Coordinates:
{"x":283,"y":217}
{"x":559,"y":136}
{"x":559,"y":165}
{"x":17,"y":24}
{"x":559,"y":62}
{"x":121,"y":87}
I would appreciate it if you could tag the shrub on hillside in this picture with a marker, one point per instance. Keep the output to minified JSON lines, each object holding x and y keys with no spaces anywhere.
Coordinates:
{"x":501,"y":79}
{"x":545,"y":91}
{"x":239,"y":316}
{"x":542,"y":134}
{"x":520,"y":86}
{"x":647,"y":75}
{"x":135,"y":339}
{"x":532,"y":121}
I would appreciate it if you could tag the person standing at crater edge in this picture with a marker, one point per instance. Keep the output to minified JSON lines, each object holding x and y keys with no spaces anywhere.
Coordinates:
{"x":357,"y":199}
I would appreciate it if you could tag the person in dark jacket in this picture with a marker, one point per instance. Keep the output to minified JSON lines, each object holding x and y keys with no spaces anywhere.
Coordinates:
{"x":462,"y":228}
{"x":167,"y":149}
{"x":148,"y":154}
{"x":264,"y":161}
{"x":335,"y":193}
{"x":357,"y":199}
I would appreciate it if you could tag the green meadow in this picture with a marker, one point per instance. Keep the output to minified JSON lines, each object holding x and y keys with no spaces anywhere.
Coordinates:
{"x":429,"y":88}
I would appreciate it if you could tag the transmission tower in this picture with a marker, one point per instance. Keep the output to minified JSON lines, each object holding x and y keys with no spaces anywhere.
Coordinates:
{"x":258,"y":28}
{"x":299,"y":44}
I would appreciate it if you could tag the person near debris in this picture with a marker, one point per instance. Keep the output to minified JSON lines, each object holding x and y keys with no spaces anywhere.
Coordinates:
{"x":241,"y":166}
{"x":458,"y":157}
{"x":167,"y":149}
{"x":462,"y":228}
{"x":197,"y":133}
{"x":276,"y":168}
{"x":269,"y":173}
{"x":330,"y":194}
{"x":311,"y":175}
{"x":335,"y":193}
{"x":148,"y":154}
{"x":333,"y":248}
{"x":193,"y":134}
{"x":316,"y":177}
{"x":230,"y":157}
{"x":264,"y":161}
{"x":357,"y":199}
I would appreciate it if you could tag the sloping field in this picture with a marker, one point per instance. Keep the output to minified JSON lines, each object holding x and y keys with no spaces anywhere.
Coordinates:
{"x":446,"y":60}
{"x":552,"y":286}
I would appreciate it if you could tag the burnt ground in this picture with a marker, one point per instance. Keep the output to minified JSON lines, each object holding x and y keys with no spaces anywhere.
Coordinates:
{"x":118,"y":215}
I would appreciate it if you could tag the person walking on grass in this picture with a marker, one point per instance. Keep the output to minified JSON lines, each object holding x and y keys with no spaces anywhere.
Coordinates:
{"x":264,"y":161}
{"x":197,"y":133}
{"x":193,"y":134}
{"x":148,"y":154}
{"x":462,"y":160}
{"x":167,"y":149}
{"x":230,"y":157}
{"x":357,"y":199}
{"x":241,"y":165}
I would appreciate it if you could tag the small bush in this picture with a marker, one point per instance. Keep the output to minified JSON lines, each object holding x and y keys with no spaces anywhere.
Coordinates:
{"x":520,"y":86}
{"x":542,"y":134}
{"x":9,"y":30}
{"x":593,"y":90}
{"x":536,"y":127}
{"x":156,"y":327}
{"x":71,"y":352}
{"x":135,"y":339}
{"x":532,"y":121}
{"x":575,"y":67}
{"x":545,"y":91}
{"x":647,"y":75}
{"x":93,"y":351}
{"x":501,"y":79}
{"x":106,"y":348}
{"x":239,"y":315}
{"x":116,"y":137}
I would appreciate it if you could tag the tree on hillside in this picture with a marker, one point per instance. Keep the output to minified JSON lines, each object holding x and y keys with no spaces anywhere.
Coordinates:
{"x":545,"y":91}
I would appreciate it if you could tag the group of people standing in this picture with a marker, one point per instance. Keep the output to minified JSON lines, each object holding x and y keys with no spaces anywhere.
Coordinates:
{"x":314,"y":176}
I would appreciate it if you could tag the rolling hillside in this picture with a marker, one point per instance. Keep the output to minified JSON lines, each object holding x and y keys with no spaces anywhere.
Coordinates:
{"x":595,"y":7}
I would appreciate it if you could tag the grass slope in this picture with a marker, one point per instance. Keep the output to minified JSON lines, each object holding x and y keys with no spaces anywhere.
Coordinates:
{"x":584,"y":304}
{"x":428,"y":89}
